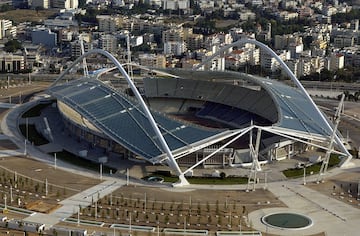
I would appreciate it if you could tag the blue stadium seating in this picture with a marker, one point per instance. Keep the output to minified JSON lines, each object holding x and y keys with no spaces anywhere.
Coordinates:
{"x":124,"y":121}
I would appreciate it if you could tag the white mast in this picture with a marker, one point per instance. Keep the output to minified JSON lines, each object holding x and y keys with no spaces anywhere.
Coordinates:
{"x":86,"y":71}
{"x":255,"y":166}
{"x":129,"y":66}
{"x":325,"y":162}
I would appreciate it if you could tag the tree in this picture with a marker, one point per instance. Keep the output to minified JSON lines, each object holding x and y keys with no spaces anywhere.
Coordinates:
{"x":222,"y":175}
{"x":6,"y":7}
{"x":38,"y":8}
{"x":82,"y":3}
{"x":12,"y":46}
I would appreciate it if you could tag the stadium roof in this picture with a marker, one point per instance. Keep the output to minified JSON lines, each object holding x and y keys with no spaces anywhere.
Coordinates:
{"x":295,"y":110}
{"x":122,"y":119}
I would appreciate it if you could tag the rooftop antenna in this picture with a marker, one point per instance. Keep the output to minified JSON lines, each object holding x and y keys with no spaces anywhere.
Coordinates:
{"x":325,"y":163}
{"x":254,"y":153}
{"x":86,"y":71}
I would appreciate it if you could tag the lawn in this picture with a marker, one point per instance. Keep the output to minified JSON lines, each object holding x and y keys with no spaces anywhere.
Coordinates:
{"x":200,"y":180}
{"x":293,"y":173}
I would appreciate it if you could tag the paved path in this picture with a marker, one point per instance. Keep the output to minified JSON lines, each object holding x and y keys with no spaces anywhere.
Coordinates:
{"x":328,"y":214}
{"x":7,"y":105}
{"x":71,"y":205}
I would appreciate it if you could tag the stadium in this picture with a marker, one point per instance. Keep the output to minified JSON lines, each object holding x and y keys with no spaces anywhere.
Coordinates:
{"x":188,"y":119}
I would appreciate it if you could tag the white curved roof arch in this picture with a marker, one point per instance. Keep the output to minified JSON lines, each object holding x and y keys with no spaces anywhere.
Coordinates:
{"x":289,"y":73}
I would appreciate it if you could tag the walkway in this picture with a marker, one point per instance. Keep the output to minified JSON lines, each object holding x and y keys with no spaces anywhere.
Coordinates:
{"x":71,"y":205}
{"x":328,"y":214}
{"x":7,"y":105}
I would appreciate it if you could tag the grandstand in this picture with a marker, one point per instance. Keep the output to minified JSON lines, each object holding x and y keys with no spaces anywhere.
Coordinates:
{"x":159,"y":130}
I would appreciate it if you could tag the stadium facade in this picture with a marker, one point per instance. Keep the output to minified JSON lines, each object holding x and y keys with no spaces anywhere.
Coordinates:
{"x":169,"y":127}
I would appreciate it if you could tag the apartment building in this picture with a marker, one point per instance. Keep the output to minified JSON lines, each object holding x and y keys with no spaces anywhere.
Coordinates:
{"x":152,"y":60}
{"x":11,"y":63}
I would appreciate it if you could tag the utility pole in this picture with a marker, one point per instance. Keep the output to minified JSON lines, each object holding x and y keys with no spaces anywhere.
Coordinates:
{"x":27,"y":127}
{"x":127,"y":177}
{"x":78,"y":216}
{"x":55,"y":160}
{"x":100,"y":171}
{"x":46,"y":187}
{"x":25,"y":151}
{"x":11,"y":194}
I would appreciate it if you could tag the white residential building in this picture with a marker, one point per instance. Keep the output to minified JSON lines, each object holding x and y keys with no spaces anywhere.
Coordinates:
{"x":7,"y":29}
{"x":317,"y":64}
{"x":283,"y":41}
{"x":269,"y":63}
{"x":206,"y":4}
{"x":337,"y":61}
{"x":40,"y":3}
{"x":194,"y":41}
{"x":240,"y":57}
{"x":345,"y":40}
{"x":216,"y":64}
{"x":108,"y":23}
{"x":300,"y":67}
{"x":296,"y":49}
{"x":352,"y":56}
{"x":246,"y":15}
{"x":11,"y":63}
{"x":217,"y":40}
{"x":190,"y":63}
{"x":329,"y":10}
{"x":174,"y":48}
{"x":65,"y":4}
{"x":286,"y":16}
{"x":173,"y":34}
{"x":76,"y":48}
{"x":176,"y":4}
{"x":152,"y":60}
{"x":108,"y":42}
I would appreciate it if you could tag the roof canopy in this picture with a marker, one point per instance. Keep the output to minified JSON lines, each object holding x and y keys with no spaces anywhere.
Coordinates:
{"x":122,"y":119}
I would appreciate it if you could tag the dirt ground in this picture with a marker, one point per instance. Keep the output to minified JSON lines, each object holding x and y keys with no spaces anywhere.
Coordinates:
{"x":22,"y":89}
{"x":209,"y":209}
{"x":40,"y":171}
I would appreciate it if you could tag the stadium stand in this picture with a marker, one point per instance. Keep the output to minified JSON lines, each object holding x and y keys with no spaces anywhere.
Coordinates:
{"x":105,"y":108}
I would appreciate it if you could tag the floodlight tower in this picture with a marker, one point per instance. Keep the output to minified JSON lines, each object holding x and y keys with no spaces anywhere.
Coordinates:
{"x":325,"y":162}
{"x":254,"y":154}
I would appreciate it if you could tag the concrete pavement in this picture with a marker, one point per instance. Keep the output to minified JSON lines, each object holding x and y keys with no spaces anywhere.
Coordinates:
{"x":71,"y":205}
{"x":329,"y":215}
